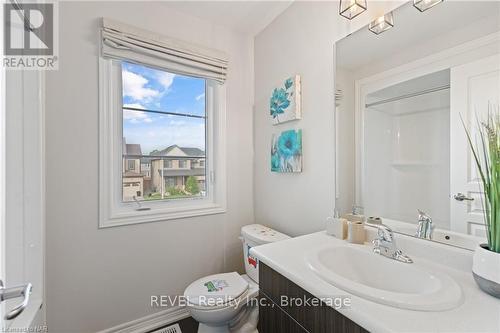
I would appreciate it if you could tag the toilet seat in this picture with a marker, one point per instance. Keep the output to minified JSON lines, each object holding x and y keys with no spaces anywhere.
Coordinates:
{"x":217,"y":291}
{"x":236,"y":303}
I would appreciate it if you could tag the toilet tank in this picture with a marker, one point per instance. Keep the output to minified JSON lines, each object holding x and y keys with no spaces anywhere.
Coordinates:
{"x":254,"y":235}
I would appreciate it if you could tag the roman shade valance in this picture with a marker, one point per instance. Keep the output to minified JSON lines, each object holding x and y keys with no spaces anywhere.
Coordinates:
{"x":122,"y":41}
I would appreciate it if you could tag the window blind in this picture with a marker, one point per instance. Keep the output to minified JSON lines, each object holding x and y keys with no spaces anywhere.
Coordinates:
{"x":122,"y":41}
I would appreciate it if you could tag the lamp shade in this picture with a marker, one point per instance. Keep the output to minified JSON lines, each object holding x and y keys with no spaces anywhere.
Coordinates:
{"x":351,"y":8}
{"x":423,"y":5}
{"x":382,"y":24}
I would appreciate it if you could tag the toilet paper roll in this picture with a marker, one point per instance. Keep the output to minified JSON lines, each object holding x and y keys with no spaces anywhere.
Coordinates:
{"x":355,"y":232}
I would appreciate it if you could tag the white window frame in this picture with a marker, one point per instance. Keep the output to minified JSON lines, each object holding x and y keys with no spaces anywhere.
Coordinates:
{"x":114,"y":212}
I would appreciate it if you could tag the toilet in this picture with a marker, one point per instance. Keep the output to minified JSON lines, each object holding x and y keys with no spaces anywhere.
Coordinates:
{"x":226,"y":302}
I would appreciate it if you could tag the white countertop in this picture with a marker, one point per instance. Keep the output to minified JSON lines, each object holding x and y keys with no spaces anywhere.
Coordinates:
{"x":479,"y":312}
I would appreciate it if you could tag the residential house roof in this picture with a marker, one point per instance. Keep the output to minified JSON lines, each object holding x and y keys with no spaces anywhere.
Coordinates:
{"x":188,"y":151}
{"x":133,"y":149}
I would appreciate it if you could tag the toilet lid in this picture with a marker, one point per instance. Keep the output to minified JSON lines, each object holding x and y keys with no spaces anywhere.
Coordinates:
{"x":216,"y":290}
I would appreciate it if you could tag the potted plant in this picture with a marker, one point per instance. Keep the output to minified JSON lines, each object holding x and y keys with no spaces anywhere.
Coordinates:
{"x":486,"y":260}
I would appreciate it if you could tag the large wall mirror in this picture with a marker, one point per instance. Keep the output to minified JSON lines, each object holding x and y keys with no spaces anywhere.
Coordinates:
{"x":401,"y":97}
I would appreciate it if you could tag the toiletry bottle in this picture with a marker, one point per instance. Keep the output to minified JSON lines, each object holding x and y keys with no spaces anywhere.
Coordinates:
{"x":336,"y":226}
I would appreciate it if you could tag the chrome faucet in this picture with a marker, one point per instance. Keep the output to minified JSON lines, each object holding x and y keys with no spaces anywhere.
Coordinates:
{"x":425,"y":226}
{"x":385,"y":244}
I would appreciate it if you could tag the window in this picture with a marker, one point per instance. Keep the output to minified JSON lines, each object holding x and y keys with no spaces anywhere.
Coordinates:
{"x":170,"y":182}
{"x":163,"y":114}
{"x":164,"y":117}
{"x":165,"y":125}
{"x":131,"y":164}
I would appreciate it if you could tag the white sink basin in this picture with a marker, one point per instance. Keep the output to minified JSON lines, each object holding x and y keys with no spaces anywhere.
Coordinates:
{"x":360,"y":272}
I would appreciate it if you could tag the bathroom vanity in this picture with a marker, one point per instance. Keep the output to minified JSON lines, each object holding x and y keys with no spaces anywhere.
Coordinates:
{"x":277,"y":317}
{"x":377,"y":298}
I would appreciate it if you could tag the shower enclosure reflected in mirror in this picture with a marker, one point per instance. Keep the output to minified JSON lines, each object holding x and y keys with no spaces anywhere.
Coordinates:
{"x":400,"y":99}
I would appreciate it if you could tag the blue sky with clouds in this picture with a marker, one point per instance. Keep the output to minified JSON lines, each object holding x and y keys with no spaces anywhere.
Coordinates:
{"x":147,"y":88}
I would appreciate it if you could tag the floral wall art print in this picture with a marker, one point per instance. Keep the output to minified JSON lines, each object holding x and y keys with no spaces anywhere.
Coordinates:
{"x":286,"y":151}
{"x":284,"y":104}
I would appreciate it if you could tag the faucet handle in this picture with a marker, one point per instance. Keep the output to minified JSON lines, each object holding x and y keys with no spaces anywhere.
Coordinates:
{"x":386,"y":244}
{"x":425,"y":226}
{"x":423,"y":215}
{"x":384,"y":232}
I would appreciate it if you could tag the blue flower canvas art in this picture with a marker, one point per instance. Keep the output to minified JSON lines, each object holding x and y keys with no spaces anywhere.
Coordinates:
{"x":286,"y":151}
{"x":284,"y":104}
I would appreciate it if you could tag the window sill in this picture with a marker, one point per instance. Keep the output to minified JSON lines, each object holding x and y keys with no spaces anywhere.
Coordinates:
{"x":130,"y":216}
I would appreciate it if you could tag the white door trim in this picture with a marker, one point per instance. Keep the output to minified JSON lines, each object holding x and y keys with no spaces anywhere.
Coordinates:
{"x":2,"y":180}
{"x":24,"y":191}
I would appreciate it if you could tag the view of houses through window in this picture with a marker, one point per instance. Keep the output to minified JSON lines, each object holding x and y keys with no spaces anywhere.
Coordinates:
{"x":163,"y":135}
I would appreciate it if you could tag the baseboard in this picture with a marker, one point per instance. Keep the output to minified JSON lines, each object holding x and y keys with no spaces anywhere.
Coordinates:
{"x":151,"y":322}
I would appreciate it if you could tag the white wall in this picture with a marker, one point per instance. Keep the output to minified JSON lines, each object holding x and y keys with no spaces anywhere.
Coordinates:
{"x":407,"y":160}
{"x":300,"y":41}
{"x":101,"y":278}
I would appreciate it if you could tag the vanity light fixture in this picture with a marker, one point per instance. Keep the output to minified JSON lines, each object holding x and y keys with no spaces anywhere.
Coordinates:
{"x":423,"y":5}
{"x":382,"y":24}
{"x":351,"y":8}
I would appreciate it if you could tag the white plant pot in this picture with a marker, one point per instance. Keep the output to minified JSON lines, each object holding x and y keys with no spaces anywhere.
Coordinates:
{"x":486,"y":270}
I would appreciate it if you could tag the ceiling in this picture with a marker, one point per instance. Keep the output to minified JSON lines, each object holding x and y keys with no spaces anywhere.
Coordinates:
{"x":249,"y":17}
{"x":412,"y":29}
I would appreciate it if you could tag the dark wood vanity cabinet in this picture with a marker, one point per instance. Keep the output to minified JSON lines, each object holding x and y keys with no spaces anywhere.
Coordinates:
{"x":276,"y":316}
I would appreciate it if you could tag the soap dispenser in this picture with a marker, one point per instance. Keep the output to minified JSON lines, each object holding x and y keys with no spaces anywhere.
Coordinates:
{"x":336,"y":226}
